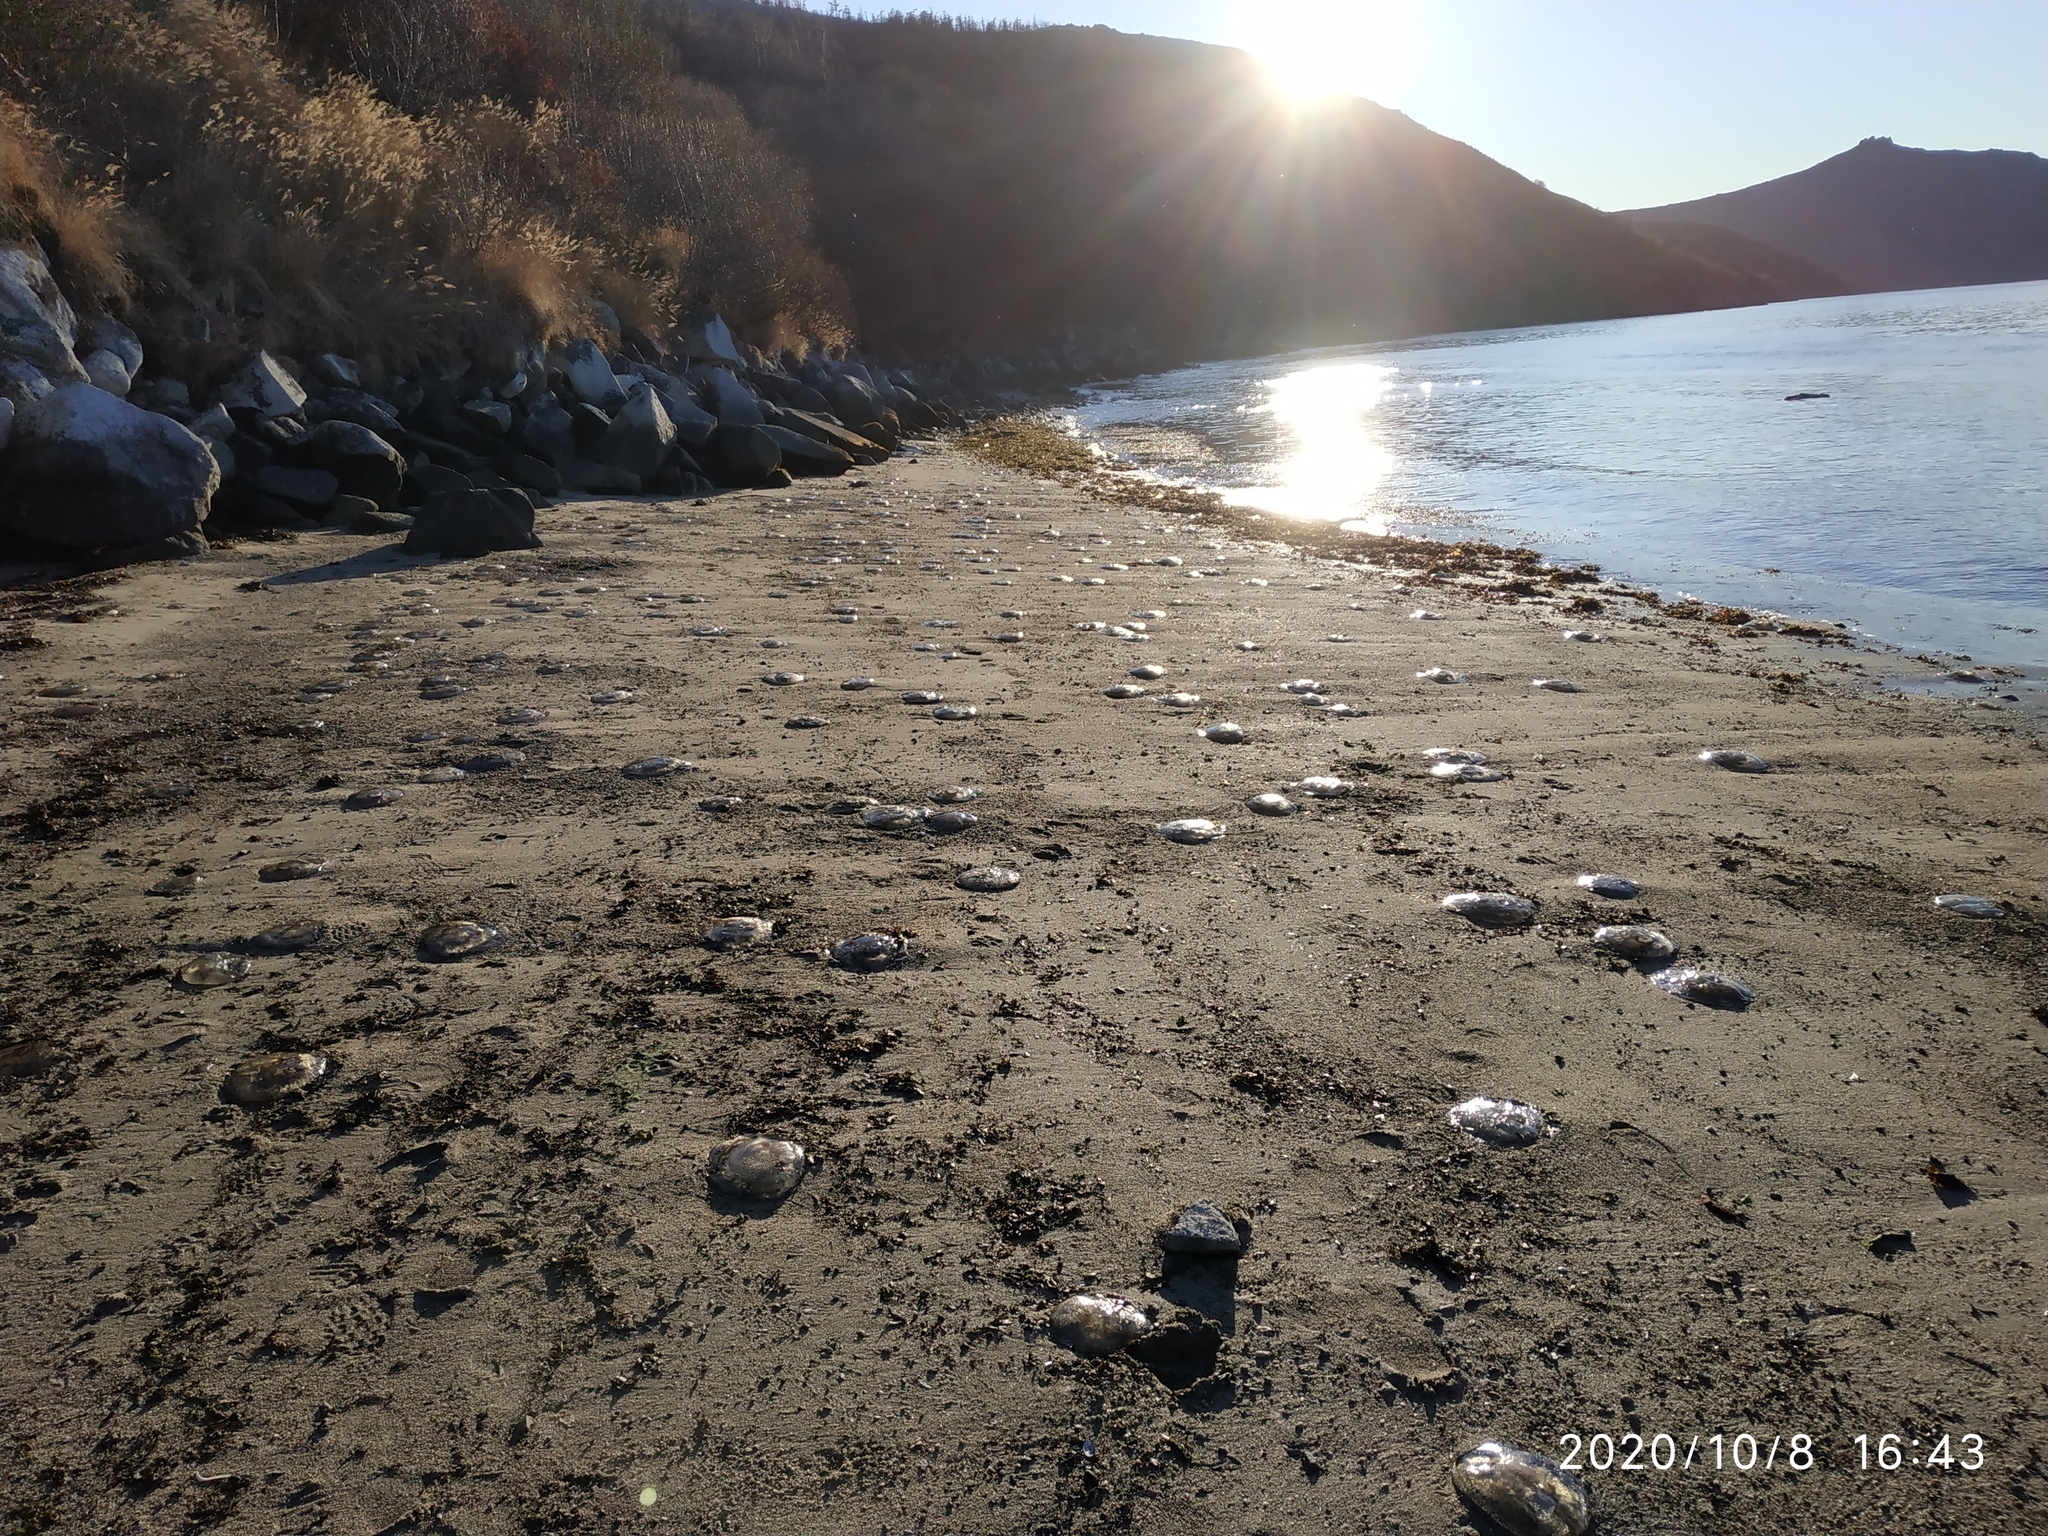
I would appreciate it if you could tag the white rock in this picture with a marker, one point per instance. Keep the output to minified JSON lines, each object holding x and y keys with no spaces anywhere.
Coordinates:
{"x":264,"y":386}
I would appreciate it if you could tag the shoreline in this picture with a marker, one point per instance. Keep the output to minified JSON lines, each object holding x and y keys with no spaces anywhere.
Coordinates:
{"x":477,"y":1276}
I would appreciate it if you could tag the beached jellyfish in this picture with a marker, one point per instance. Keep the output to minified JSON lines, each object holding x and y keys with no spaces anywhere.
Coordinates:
{"x":294,"y":869}
{"x":1124,"y":691}
{"x":739,"y":932}
{"x":1735,"y":760}
{"x":870,"y":951}
{"x":952,"y":794}
{"x":988,"y":879}
{"x":1499,"y":1122}
{"x":656,"y":767}
{"x":493,"y":762}
{"x":1610,"y":887}
{"x":1225,"y":733}
{"x":1554,"y":684}
{"x":1710,"y":989}
{"x":1097,"y":1325}
{"x":1270,"y":804}
{"x":214,"y":970}
{"x":756,"y":1167}
{"x":947,"y":822}
{"x":1970,"y":906}
{"x":891,"y":818}
{"x":1323,"y":786}
{"x":372,"y":799}
{"x":1191,"y":829}
{"x":1439,"y":675}
{"x":260,"y":1080}
{"x":1466,"y":773}
{"x":1523,"y":1492}
{"x":955,"y":712}
{"x":1491,"y":909}
{"x":459,"y":939}
{"x":288,"y":938}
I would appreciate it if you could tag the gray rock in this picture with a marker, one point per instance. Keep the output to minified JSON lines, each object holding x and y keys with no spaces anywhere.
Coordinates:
{"x":590,"y":376}
{"x":106,"y":371}
{"x":692,"y":422}
{"x":463,"y":524}
{"x":358,"y":406}
{"x":600,"y":479}
{"x":166,"y":395}
{"x":341,"y":372}
{"x":6,"y":424}
{"x":1202,"y":1228}
{"x":21,"y":381}
{"x":302,"y":487}
{"x":36,"y":322}
{"x":640,"y":436}
{"x":103,"y":333}
{"x":740,"y":455}
{"x":223,"y":456}
{"x":549,"y":434}
{"x":805,"y":456}
{"x":88,"y":471}
{"x":264,"y":386}
{"x":712,"y":338}
{"x":215,"y":422}
{"x":731,"y":401}
{"x":490,"y":416}
{"x":362,"y":463}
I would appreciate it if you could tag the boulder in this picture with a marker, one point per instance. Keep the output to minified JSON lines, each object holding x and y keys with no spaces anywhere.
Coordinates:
{"x":639,"y":437}
{"x":301,"y":487}
{"x":103,"y":333}
{"x":161,"y":395}
{"x":432,"y":478}
{"x":88,"y":471}
{"x":223,"y":458}
{"x":731,"y":401}
{"x":36,"y":322}
{"x":174,"y":546}
{"x":264,"y":386}
{"x":550,"y":434}
{"x":215,"y":422}
{"x":22,"y":381}
{"x":601,"y":479}
{"x":362,"y":463}
{"x":358,"y":406}
{"x":692,"y":422}
{"x":712,"y":338}
{"x":6,"y":424}
{"x":355,"y":514}
{"x":736,"y":455}
{"x":525,"y":470}
{"x":491,"y":416}
{"x":824,"y":429}
{"x":806,"y":456}
{"x":590,"y":376}
{"x":461,"y":524}
{"x":341,"y":372}
{"x":105,"y":370}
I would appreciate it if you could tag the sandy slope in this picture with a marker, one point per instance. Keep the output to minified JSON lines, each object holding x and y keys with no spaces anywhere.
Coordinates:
{"x":475,"y":1282}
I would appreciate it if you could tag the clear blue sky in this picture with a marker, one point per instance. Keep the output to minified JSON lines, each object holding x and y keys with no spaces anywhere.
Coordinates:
{"x":1632,"y":103}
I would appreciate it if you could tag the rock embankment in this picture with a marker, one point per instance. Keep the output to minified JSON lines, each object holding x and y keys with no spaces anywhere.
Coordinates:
{"x":106,"y":463}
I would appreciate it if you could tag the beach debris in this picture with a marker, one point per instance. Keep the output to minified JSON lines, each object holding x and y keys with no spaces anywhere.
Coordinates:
{"x":1180,"y":700}
{"x":1191,"y":829}
{"x":447,"y":773}
{"x":294,"y":869}
{"x":1710,"y":989}
{"x":1323,"y":786}
{"x":1632,"y":941}
{"x":988,"y":879}
{"x":870,"y":951}
{"x":1303,"y":685}
{"x":493,"y":762}
{"x":1202,"y":1228}
{"x":955,"y":712}
{"x":1735,"y":760}
{"x":891,"y":818}
{"x":214,"y":970}
{"x":288,"y":938}
{"x":1225,"y":733}
{"x":1098,"y":1325}
{"x":1150,"y":672}
{"x":259,"y":1080}
{"x":1124,"y":691}
{"x":1523,"y":1492}
{"x":1970,"y":906}
{"x":720,"y":805}
{"x":372,"y":799}
{"x":783,"y":679}
{"x":803,"y":723}
{"x":1554,"y":684}
{"x":614,"y":696}
{"x":944,"y":822}
{"x":1499,"y":1122}
{"x":656,"y":767}
{"x":756,"y":1167}
{"x":1271,"y":804}
{"x":920,"y":696}
{"x":528,"y":716}
{"x":952,"y":794}
{"x":1610,"y":887}
{"x":1439,"y":675}
{"x":1425,"y":613}
{"x":857,"y":684}
{"x":459,"y":939}
{"x":175,"y":885}
{"x":739,"y":932}
{"x":1491,"y":909}
{"x":1467,"y":773}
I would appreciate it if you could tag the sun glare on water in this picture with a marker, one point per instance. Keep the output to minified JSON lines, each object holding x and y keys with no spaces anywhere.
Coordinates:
{"x":1318,"y":49}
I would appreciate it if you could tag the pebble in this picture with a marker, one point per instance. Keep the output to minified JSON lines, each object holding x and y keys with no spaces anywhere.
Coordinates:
{"x":1202,"y":1228}
{"x":955,"y":712}
{"x":803,"y":723}
{"x":1491,"y":909}
{"x":215,"y":970}
{"x":891,"y":818}
{"x":988,"y":879}
{"x":1439,"y":675}
{"x":261,"y":1080}
{"x":739,"y":932}
{"x":1191,"y":829}
{"x":1468,"y":773}
{"x":1710,"y":989}
{"x":1270,"y":804}
{"x":950,"y":821}
{"x":1612,"y":887}
{"x":1633,"y":942}
{"x":492,"y":762}
{"x":1970,"y":906}
{"x":294,"y":869}
{"x":783,"y":679}
{"x":288,"y":938}
{"x":1097,"y":1325}
{"x":1123,"y":691}
{"x":614,"y":696}
{"x":756,"y":1167}
{"x":656,"y":767}
{"x":372,"y":799}
{"x":953,"y":794}
{"x":1225,"y":733}
{"x":1499,"y":1122}
{"x":1735,"y":760}
{"x":1554,"y":684}
{"x":1523,"y":1492}
{"x":1150,"y":672}
{"x":458,"y":940}
{"x":870,"y":951}
{"x":1323,"y":786}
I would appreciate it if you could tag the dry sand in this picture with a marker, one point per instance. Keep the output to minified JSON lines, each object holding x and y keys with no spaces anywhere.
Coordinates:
{"x":475,"y":1281}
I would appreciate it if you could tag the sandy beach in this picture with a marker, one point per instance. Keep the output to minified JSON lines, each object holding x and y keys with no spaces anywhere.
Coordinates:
{"x":474,"y":1280}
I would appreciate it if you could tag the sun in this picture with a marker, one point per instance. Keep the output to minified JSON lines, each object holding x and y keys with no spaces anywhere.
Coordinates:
{"x":1315,"y":50}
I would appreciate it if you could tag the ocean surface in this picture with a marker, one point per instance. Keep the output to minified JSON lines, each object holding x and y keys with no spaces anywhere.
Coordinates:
{"x":1912,"y":502}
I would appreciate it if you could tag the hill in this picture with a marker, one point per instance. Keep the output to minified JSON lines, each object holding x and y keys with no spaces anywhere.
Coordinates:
{"x":1882,"y":216}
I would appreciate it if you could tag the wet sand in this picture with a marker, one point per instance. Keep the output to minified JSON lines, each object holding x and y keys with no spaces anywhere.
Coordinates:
{"x":475,"y":1281}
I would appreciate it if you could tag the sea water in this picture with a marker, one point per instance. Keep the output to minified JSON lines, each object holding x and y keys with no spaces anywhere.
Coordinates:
{"x":1910,"y":503}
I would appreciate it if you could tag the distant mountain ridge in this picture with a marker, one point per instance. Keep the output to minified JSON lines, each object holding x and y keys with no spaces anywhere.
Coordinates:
{"x":1880,"y":217}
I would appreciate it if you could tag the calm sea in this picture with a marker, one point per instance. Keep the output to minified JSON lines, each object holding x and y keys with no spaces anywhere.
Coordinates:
{"x":1912,"y":502}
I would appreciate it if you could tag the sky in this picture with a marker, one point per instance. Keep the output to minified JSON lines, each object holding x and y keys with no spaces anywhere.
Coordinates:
{"x":1632,"y":103}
